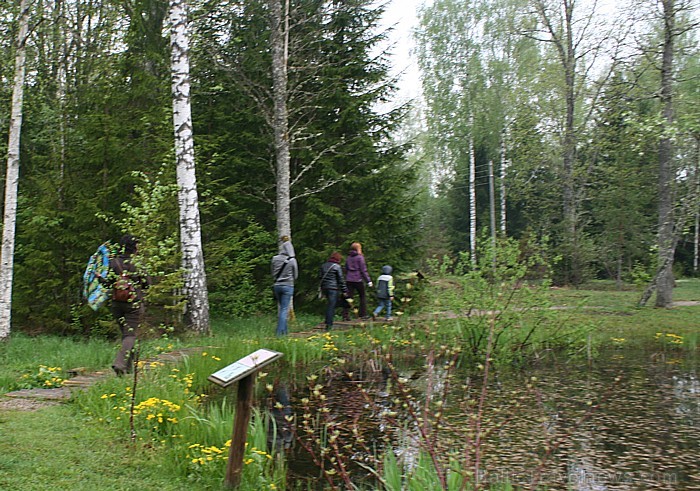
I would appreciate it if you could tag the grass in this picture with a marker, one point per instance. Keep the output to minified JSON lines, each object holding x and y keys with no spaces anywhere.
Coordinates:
{"x":23,"y":354}
{"x":86,"y":444}
{"x":614,"y":314}
{"x":604,"y":294}
{"x":57,"y":448}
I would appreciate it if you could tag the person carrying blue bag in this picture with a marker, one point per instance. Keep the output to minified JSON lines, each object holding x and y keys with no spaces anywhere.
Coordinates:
{"x":128,"y":309}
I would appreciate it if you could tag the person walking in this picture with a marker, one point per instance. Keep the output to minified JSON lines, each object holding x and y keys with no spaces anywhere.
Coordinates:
{"x":385,"y":292}
{"x":332,"y":285}
{"x":356,"y":275}
{"x":127,"y":300}
{"x":284,"y":270}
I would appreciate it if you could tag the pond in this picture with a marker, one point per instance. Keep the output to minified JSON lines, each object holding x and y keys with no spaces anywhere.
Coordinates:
{"x":628,"y":421}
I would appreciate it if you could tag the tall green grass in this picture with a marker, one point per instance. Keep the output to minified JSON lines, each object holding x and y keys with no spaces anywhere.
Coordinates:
{"x":23,"y":354}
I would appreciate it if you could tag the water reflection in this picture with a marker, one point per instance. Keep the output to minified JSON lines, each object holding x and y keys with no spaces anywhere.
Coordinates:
{"x":628,"y":422}
{"x":280,"y":436}
{"x":686,"y":389}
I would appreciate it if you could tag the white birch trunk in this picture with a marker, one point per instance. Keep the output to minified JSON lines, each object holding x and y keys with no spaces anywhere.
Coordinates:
{"x":492,"y":214}
{"x":504,"y":167}
{"x":278,"y":42}
{"x":190,"y":232}
{"x":12,"y":178}
{"x":472,"y":193}
{"x":696,"y":241}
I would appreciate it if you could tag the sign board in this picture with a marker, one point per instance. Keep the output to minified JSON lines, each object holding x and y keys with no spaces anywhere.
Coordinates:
{"x":244,"y":367}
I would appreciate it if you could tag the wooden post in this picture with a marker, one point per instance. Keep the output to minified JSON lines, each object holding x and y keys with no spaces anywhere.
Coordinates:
{"x":242,"y":371}
{"x":244,"y":406}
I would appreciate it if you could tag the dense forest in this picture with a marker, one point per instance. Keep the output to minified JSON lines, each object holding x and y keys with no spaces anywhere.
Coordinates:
{"x":555,"y":122}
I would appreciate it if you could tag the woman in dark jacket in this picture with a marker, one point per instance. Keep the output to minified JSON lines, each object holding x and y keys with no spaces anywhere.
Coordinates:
{"x":332,"y":285}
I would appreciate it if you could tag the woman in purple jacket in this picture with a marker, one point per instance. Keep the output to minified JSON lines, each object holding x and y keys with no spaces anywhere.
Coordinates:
{"x":355,"y":276}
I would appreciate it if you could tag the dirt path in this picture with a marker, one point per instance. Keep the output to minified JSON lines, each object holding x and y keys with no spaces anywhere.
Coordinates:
{"x":33,"y":399}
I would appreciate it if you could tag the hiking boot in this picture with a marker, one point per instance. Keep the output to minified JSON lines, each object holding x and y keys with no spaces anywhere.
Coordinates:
{"x":389,"y":319}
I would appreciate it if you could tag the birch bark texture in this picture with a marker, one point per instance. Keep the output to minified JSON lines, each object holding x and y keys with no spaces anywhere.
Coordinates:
{"x":279,"y":33}
{"x":195,"y":288}
{"x":12,"y":176}
{"x":472,"y":192}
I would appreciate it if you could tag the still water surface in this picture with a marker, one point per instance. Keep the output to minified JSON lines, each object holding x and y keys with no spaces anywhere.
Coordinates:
{"x":628,"y":421}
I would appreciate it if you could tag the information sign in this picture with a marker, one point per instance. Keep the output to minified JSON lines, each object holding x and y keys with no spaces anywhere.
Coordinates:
{"x":243,"y":367}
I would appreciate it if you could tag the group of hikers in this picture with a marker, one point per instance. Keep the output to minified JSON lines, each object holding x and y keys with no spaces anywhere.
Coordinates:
{"x":337,"y":284}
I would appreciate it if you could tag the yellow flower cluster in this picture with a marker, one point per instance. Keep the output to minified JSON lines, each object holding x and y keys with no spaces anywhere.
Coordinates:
{"x":186,"y":380}
{"x":163,"y":349}
{"x":47,"y":378}
{"x":328,"y":341}
{"x":330,"y":346}
{"x":158,"y":412}
{"x":213,"y":357}
{"x":201,"y":455}
{"x":157,"y":403}
{"x":669,"y":338}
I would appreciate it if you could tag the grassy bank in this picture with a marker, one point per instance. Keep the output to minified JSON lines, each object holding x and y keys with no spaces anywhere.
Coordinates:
{"x":181,"y":438}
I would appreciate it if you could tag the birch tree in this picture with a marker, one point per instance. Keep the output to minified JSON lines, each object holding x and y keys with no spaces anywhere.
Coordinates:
{"x":190,"y":230}
{"x":12,"y":177}
{"x":279,"y":41}
{"x":450,"y":58}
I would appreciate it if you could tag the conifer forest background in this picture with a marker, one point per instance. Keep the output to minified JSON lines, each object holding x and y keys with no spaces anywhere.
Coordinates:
{"x":557,"y":123}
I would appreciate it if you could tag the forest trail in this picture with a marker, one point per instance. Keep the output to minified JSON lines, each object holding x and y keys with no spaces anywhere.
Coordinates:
{"x":33,"y":399}
{"x":80,"y":379}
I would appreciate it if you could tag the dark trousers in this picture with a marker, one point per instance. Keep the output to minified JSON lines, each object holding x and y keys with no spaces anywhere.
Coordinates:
{"x":128,"y":315}
{"x":332,"y":297}
{"x":358,"y":286}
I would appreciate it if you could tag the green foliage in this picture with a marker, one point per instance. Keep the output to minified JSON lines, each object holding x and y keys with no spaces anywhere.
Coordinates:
{"x":422,"y":475}
{"x":349,"y":182}
{"x":199,"y":426}
{"x":640,"y":275}
{"x":502,"y":305}
{"x":150,"y":218}
{"x":98,"y":128}
{"x":44,"y":378}
{"x":236,"y":267}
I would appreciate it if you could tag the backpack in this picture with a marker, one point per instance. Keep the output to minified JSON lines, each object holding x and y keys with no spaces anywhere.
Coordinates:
{"x":94,"y":290}
{"x":123,"y":289}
